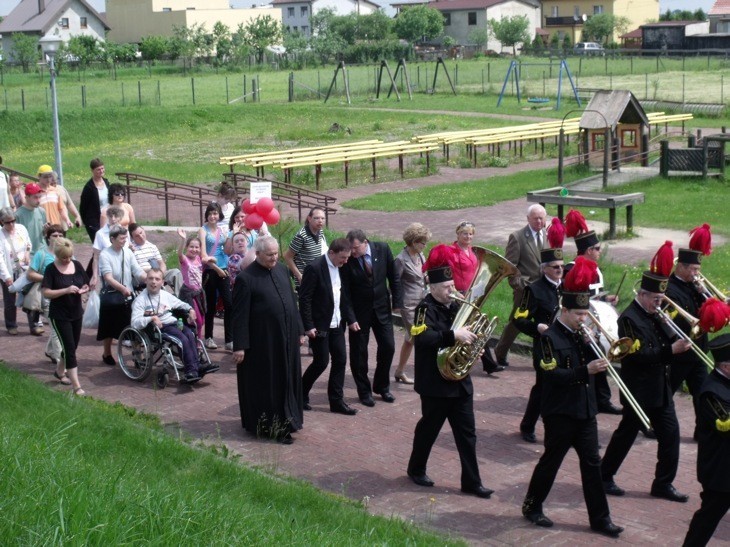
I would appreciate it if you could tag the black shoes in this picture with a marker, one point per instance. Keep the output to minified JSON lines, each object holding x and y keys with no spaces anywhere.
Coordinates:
{"x":609,"y":408}
{"x":368,"y":400}
{"x":538,"y":518}
{"x":503,"y":362}
{"x":528,"y":436}
{"x":341,"y":407}
{"x":492,"y":370}
{"x":191,"y":377}
{"x":387,"y":396}
{"x":610,"y":529}
{"x":307,"y":406}
{"x":208,"y":369}
{"x":285,"y":439}
{"x":668,"y":492}
{"x":478,"y":491}
{"x":649,"y":433}
{"x":421,"y":480}
{"x":612,"y":489}
{"x":108,"y":360}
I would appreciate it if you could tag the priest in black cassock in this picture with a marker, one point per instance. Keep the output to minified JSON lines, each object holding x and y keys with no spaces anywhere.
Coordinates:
{"x":267,"y":334}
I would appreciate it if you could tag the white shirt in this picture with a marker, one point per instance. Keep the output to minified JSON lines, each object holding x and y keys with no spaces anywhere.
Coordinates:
{"x":336,"y":292}
{"x":4,"y":194}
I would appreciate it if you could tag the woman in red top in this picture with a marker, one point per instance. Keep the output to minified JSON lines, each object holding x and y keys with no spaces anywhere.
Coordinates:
{"x":463,"y":260}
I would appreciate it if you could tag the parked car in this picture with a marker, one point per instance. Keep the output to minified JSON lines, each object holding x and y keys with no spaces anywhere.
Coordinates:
{"x":588,"y":48}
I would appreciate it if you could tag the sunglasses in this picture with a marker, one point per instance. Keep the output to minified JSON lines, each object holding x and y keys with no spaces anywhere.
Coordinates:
{"x":557,"y":267}
{"x":122,"y":194}
{"x":466,"y":225}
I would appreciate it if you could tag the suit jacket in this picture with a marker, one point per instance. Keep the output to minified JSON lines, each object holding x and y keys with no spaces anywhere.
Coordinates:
{"x":689,"y":299}
{"x":540,"y":303}
{"x":522,"y":251}
{"x":365,"y":295}
{"x":411,"y":278}
{"x":316,"y":301}
{"x":646,"y":371}
{"x":89,"y":207}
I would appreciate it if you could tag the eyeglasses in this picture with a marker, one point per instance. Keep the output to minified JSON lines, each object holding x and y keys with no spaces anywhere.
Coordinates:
{"x":122,"y":194}
{"x":557,"y":266}
{"x":466,"y":225}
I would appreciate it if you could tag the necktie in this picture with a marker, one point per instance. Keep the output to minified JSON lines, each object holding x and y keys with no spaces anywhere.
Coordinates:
{"x":539,"y":241}
{"x":367,"y":265}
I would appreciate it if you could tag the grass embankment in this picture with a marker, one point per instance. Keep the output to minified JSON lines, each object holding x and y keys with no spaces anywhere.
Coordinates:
{"x":81,"y":472}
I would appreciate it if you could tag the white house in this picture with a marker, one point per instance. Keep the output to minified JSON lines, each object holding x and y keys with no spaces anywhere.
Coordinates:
{"x":461,"y":17}
{"x":61,"y":18}
{"x":296,"y":14}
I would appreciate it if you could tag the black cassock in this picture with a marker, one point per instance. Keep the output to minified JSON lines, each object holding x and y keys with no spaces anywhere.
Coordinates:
{"x":267,"y":326}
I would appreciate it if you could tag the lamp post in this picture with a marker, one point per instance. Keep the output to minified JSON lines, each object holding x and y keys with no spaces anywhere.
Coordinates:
{"x":50,"y":45}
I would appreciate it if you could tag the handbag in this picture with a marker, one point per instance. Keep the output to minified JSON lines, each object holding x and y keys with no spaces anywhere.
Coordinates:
{"x":112,"y":298}
{"x":33,"y":300}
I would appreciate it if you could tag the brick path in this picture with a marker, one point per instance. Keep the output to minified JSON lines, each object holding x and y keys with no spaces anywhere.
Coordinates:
{"x":364,"y":457}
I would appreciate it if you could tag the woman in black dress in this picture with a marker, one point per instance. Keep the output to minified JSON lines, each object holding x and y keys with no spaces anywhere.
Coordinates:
{"x":63,"y":283}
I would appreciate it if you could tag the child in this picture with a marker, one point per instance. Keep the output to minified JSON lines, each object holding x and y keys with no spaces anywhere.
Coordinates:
{"x":241,"y":256}
{"x":226,"y":199}
{"x":191,"y":267}
{"x":17,"y":192}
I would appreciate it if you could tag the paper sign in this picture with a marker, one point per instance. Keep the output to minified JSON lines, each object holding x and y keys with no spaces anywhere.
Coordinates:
{"x":260,"y":190}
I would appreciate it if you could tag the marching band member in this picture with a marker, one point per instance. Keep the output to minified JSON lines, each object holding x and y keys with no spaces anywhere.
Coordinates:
{"x":540,"y":304}
{"x":569,"y":407}
{"x":645,"y":372}
{"x":713,"y":446}
{"x":442,"y":399}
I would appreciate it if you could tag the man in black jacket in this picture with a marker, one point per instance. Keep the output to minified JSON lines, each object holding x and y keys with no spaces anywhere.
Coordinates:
{"x":370,"y":282}
{"x":568,"y":366}
{"x":713,"y":446}
{"x":442,"y":399}
{"x":321,"y":305}
{"x":645,"y":373}
{"x":540,"y":304}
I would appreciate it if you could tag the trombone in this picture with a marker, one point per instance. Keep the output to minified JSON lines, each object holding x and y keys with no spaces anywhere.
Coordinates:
{"x":707,"y":289}
{"x":618,"y":350}
{"x":694,"y":328}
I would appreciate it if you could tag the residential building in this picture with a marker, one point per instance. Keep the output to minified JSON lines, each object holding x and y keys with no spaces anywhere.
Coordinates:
{"x":60,"y":18}
{"x":132,"y":20}
{"x":567,"y":17}
{"x":296,"y":14}
{"x":719,"y":16}
{"x":668,"y":35}
{"x":461,"y":17}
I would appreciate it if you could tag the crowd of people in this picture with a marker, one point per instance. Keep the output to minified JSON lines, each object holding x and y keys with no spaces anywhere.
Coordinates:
{"x":319,"y":292}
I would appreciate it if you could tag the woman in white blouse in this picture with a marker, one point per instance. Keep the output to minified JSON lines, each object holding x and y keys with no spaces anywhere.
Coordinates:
{"x":15,"y":247}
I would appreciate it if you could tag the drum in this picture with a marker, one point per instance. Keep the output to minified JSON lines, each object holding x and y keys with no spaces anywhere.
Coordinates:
{"x":608,"y":317}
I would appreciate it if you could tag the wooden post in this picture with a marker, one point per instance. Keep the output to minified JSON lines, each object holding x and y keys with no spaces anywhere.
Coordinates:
{"x":664,"y":158}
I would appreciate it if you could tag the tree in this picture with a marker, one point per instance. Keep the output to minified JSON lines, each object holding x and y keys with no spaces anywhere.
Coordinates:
{"x":154,"y":48}
{"x":325,"y":42}
{"x":479,"y":37}
{"x":222,"y":42}
{"x":599,"y":27}
{"x":119,"y":53}
{"x":25,"y":49}
{"x":419,"y":23}
{"x":84,"y":49}
{"x":375,"y":26}
{"x":191,"y":42}
{"x":262,"y":32}
{"x":511,"y":30}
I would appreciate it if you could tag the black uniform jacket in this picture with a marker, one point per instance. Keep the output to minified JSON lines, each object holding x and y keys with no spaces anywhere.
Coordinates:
{"x":438,"y":335}
{"x":367,"y":294}
{"x":567,"y":387}
{"x":539,"y":305}
{"x":646,"y":371}
{"x":713,"y":452}
{"x":689,"y":299}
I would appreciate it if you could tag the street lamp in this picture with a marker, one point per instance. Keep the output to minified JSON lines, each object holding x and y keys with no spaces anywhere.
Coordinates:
{"x":50,"y":45}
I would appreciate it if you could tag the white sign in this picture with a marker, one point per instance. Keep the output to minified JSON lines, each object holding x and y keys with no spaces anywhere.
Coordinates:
{"x":260,"y":190}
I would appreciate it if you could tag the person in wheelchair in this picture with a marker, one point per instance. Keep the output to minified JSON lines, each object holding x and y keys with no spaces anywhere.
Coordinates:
{"x":154,"y":306}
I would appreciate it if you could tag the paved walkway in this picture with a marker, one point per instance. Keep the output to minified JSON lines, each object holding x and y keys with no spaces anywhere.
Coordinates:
{"x":364,"y":457}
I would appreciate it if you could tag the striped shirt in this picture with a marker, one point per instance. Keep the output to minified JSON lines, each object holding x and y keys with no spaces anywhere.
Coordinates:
{"x":307,"y":247}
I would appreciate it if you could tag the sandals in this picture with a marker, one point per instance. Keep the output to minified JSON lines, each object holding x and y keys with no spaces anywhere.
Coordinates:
{"x":63,"y":379}
{"x":80,"y":392}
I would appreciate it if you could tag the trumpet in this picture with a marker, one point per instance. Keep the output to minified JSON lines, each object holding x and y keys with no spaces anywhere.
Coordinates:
{"x":683,"y":335}
{"x":707,"y":289}
{"x":618,"y":349}
{"x":695,"y":331}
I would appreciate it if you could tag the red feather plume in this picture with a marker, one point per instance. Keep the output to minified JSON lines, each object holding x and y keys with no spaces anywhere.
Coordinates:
{"x":714,"y":315}
{"x":441,"y":255}
{"x":556,"y":234}
{"x":701,"y":239}
{"x":663,"y":260}
{"x":581,"y":275}
{"x":575,"y":223}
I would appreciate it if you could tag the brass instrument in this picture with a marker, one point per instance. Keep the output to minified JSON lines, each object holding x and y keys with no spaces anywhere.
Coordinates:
{"x":695,"y":331}
{"x":683,"y":335}
{"x":707,"y":289}
{"x":619,"y":348}
{"x":454,"y":363}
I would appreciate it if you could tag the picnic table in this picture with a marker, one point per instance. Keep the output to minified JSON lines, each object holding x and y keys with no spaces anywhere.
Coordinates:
{"x":561,"y":197}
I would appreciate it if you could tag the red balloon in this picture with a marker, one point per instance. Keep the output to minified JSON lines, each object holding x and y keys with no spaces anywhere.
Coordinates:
{"x":253,"y":221}
{"x":248,"y":207}
{"x":273,"y":217}
{"x":264,"y":206}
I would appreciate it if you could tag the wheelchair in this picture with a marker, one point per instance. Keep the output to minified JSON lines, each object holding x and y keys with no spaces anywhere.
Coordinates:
{"x":140,"y":350}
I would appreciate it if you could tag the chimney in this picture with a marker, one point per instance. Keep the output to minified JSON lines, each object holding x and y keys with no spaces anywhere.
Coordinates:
{"x":41,"y":6}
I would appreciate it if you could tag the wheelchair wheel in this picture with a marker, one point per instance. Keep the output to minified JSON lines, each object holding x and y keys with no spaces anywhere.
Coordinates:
{"x":163,"y":378}
{"x":135,"y":356}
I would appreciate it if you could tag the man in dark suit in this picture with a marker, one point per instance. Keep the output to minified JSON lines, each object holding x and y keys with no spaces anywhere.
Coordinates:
{"x":713,"y":446}
{"x":370,"y":282}
{"x":321,"y":305}
{"x":443,"y":399}
{"x":523,"y":250}
{"x":645,"y":371}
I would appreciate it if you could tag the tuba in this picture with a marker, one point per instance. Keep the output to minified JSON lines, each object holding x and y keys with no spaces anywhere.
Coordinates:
{"x":454,"y":363}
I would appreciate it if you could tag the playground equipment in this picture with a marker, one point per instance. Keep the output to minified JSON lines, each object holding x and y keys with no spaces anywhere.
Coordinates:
{"x":515,"y":71}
